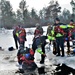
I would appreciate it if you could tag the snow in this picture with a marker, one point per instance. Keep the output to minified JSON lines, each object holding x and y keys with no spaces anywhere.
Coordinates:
{"x":7,"y":65}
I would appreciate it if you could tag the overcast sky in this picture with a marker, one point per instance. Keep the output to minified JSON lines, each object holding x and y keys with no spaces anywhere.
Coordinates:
{"x":39,"y":4}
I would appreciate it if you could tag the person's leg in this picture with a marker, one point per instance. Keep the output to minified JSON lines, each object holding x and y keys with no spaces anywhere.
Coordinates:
{"x":54,"y":48}
{"x":34,"y":47}
{"x":62,"y":45}
{"x":23,"y":44}
{"x":50,"y":41}
{"x":18,"y":57}
{"x":68,"y":46}
{"x":43,"y":50}
{"x":16,"y":42}
{"x":58,"y":43}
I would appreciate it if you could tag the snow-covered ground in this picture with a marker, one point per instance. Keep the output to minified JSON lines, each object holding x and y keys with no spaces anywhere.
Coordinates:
{"x":8,"y":67}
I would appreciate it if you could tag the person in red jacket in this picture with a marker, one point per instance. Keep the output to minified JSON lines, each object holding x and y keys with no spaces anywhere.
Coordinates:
{"x":39,"y":41}
{"x":59,"y":35}
{"x":22,"y":36}
{"x":69,"y":35}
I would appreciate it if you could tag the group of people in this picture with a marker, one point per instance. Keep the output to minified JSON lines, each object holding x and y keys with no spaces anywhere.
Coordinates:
{"x":57,"y":34}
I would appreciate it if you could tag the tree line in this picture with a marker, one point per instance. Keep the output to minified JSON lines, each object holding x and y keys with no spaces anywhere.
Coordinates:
{"x":26,"y":18}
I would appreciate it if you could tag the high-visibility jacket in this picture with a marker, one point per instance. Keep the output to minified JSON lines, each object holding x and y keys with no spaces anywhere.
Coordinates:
{"x":58,"y":31}
{"x":67,"y":29}
{"x":51,"y":36}
{"x":22,"y":35}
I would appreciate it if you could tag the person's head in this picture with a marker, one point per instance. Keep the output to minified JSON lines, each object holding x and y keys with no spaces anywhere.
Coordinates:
{"x":71,"y":21}
{"x":48,"y":24}
{"x":16,"y":27}
{"x":57,"y":20}
{"x":37,"y":25}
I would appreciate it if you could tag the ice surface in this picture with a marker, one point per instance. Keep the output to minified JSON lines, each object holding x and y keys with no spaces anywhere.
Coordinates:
{"x":7,"y":65}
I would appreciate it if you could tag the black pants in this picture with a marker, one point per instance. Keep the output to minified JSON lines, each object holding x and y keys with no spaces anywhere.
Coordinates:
{"x":16,"y":41}
{"x":43,"y":50}
{"x":68,"y":45}
{"x":54,"y":48}
{"x":60,"y":43}
{"x":22,"y":44}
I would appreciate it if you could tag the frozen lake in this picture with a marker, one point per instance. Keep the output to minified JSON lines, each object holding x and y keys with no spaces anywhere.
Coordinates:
{"x":6,"y":41}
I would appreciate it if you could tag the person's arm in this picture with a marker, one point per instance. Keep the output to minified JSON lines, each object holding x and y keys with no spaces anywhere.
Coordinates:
{"x":39,"y":50}
{"x":41,"y":30}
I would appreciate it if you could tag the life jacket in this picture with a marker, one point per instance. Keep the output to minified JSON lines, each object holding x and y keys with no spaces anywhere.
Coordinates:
{"x":51,"y":36}
{"x":58,"y":31}
{"x":22,"y":35}
{"x":27,"y":54}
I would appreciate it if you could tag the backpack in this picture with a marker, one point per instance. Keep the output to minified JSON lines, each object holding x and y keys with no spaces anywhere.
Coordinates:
{"x":11,"y":49}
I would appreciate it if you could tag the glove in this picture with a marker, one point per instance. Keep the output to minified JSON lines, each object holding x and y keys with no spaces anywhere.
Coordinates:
{"x":44,"y":55}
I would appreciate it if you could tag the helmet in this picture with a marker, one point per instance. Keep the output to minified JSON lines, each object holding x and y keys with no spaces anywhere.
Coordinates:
{"x":37,"y":24}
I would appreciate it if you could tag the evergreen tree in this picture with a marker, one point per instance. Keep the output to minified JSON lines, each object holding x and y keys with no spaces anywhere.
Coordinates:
{"x":73,"y":8}
{"x":52,"y":10}
{"x":7,"y":14}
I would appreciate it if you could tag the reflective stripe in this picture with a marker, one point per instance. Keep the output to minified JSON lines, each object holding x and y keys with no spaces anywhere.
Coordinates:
{"x":69,"y":26}
{"x":59,"y":35}
{"x":63,"y":26}
{"x":52,"y":32}
{"x":17,"y":34}
{"x":39,"y":50}
{"x":51,"y":37}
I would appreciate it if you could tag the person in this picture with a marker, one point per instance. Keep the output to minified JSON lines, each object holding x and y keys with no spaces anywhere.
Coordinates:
{"x":15,"y":37}
{"x":39,"y":27}
{"x":49,"y":30}
{"x":21,"y":35}
{"x":25,"y":58}
{"x":73,"y":32}
{"x":69,"y":34}
{"x":59,"y":35}
{"x":39,"y":42}
{"x":68,"y":29}
{"x":51,"y":37}
{"x":73,"y":35}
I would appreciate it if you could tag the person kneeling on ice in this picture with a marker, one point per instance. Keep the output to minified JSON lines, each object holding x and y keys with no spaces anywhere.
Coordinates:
{"x":26,"y":59}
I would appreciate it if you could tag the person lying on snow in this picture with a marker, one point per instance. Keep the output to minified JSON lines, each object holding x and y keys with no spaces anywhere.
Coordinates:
{"x":25,"y":58}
